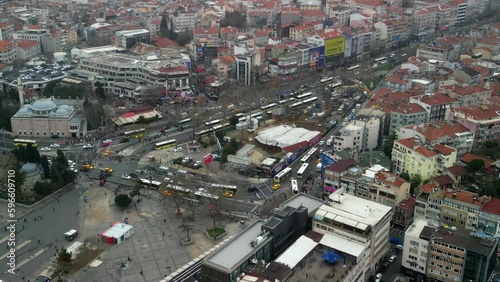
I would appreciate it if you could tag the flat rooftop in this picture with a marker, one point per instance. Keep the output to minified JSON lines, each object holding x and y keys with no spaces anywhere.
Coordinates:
{"x":303,"y":200}
{"x":352,"y":211}
{"x":237,"y":249}
{"x":416,"y":228}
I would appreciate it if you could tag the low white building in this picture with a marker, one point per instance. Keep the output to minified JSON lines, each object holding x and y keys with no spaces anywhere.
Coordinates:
{"x":415,"y":247}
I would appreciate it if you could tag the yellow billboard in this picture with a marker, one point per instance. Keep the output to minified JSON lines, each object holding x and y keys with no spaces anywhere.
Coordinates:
{"x":334,"y":46}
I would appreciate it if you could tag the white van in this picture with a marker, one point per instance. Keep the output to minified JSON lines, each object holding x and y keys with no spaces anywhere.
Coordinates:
{"x":329,"y":142}
{"x":318,"y":167}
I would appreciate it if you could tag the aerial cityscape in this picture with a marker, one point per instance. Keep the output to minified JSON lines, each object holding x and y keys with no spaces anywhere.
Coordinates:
{"x":250,"y":141}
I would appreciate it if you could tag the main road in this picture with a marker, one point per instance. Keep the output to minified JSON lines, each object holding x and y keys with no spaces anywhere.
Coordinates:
{"x":37,"y":239}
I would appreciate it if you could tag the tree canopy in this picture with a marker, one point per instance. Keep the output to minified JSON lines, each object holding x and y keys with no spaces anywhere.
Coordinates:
{"x":123,"y":200}
{"x":475,"y":166}
{"x":234,"y":19}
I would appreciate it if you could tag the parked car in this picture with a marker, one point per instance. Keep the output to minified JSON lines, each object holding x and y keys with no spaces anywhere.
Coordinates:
{"x":178,"y":149}
{"x":133,"y":175}
{"x":378,"y":277}
{"x":321,"y":143}
{"x":124,"y":176}
{"x":55,"y":145}
{"x":399,"y":247}
{"x":276,"y":186}
{"x":392,"y":258}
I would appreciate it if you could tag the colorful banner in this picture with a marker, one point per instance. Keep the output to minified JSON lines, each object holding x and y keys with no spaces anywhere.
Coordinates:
{"x":317,"y":56}
{"x":200,"y":53}
{"x":208,"y":159}
{"x":334,"y":46}
{"x":326,"y":160}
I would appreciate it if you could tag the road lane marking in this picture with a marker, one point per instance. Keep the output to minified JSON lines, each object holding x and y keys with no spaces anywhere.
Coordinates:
{"x":254,"y":208}
{"x":4,"y":239}
{"x":31,"y":257}
{"x":18,"y":247}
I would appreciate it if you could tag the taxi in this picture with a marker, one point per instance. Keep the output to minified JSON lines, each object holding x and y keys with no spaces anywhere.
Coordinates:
{"x":228,"y":194}
{"x":88,"y":166}
{"x":276,"y":186}
{"x":107,"y":152}
{"x":166,"y":193}
{"x":108,"y":170}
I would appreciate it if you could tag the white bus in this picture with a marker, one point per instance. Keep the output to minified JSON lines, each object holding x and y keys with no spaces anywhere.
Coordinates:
{"x":296,"y":105}
{"x":326,"y":80}
{"x":212,"y":122}
{"x":179,"y":189}
{"x":304,"y":96}
{"x":165,"y":144}
{"x":203,"y":195}
{"x":184,"y":122}
{"x":310,"y":100}
{"x":232,"y":188}
{"x":151,"y":183}
{"x":308,"y":155}
{"x":335,"y":85}
{"x":24,"y":142}
{"x":378,"y":60}
{"x":355,"y":67}
{"x":295,"y":187}
{"x":268,"y":107}
{"x":282,"y":175}
{"x":302,"y":170}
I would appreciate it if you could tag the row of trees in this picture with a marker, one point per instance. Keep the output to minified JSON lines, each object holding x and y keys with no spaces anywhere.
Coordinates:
{"x":65,"y":91}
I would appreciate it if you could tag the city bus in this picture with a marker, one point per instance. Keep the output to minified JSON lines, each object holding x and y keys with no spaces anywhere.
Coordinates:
{"x":295,"y":187}
{"x":239,"y":115}
{"x":224,"y":187}
{"x":184,"y":122}
{"x":378,"y":60}
{"x":268,"y":107}
{"x":296,"y":105}
{"x":203,"y":132}
{"x":304,"y":96}
{"x":284,"y":101}
{"x":335,"y":85}
{"x":326,"y":80}
{"x":147,"y":183}
{"x":308,"y":155}
{"x":204,"y":195}
{"x":282,"y":175}
{"x":212,"y":122}
{"x":165,"y":144}
{"x":302,"y":170}
{"x":137,"y":133}
{"x":221,"y":126}
{"x":179,"y":189}
{"x":310,"y":100}
{"x":24,"y":142}
{"x":355,"y":67}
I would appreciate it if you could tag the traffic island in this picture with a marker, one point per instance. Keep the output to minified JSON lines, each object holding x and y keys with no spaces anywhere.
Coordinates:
{"x":216,"y":233}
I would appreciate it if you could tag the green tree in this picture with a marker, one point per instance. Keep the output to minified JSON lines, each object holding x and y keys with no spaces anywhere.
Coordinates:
{"x":123,"y":200}
{"x":475,"y":166}
{"x":183,"y":38}
{"x":86,"y":103}
{"x":48,"y":90}
{"x":234,"y":19}
{"x":60,"y":170}
{"x":43,"y":189}
{"x":99,"y":91}
{"x":164,"y":27}
{"x":415,"y":181}
{"x":405,"y":176}
{"x":32,"y":154}
{"x":44,"y":162}
{"x":14,"y":95}
{"x":64,"y":259}
{"x":389,"y":143}
{"x":141,"y":120}
{"x":234,"y":120}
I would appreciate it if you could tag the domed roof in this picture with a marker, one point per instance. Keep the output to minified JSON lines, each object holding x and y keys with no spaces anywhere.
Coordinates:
{"x":43,"y":105}
{"x":63,"y":107}
{"x":61,"y":111}
{"x":23,"y":111}
{"x":29,"y":168}
{"x":27,"y":106}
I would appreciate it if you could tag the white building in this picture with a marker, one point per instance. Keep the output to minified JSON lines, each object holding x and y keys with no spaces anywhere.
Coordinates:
{"x":77,"y":53}
{"x":414,"y":248}
{"x":355,"y":225}
{"x":358,"y":134}
{"x":128,"y":38}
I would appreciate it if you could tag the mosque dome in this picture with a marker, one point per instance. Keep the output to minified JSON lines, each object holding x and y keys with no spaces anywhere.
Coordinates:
{"x":43,"y":105}
{"x":29,"y":169}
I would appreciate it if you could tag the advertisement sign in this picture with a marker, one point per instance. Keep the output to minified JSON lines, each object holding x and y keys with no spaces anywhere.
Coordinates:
{"x":395,"y":38}
{"x":200,"y":53}
{"x":279,"y":167}
{"x":317,"y":56}
{"x":334,"y":46}
{"x":354,"y":47}
{"x":294,"y":156}
{"x":208,"y":159}
{"x":326,"y":160}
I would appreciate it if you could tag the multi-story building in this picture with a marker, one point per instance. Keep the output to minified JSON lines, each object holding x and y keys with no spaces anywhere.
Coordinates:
{"x":456,"y":254}
{"x":153,"y":25}
{"x":54,"y":41}
{"x":440,"y":53}
{"x":31,"y":34}
{"x":389,"y":189}
{"x":392,"y":32}
{"x":170,"y":71}
{"x":461,"y":209}
{"x":437,"y":105}
{"x":411,"y":156}
{"x":27,"y":49}
{"x":363,"y":135}
{"x":299,"y":33}
{"x":404,"y":212}
{"x":340,"y":12}
{"x":307,"y":5}
{"x":470,"y":95}
{"x":343,"y":173}
{"x":7,"y":51}
{"x":406,"y":115}
{"x":415,"y":248}
{"x":313,"y":15}
{"x":244,"y":65}
{"x":44,"y":119}
{"x":184,"y":20}
{"x":128,"y":38}
{"x":396,"y":83}
{"x":483,"y":121}
{"x":489,"y":218}
{"x":450,"y":133}
{"x":422,"y":23}
{"x":361,"y":223}
{"x":377,"y":8}
{"x":207,"y":35}
{"x":6,"y":30}
{"x":447,"y":254}
{"x":467,"y":75}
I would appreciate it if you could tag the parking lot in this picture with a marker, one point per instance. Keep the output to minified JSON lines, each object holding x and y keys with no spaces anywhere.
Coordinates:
{"x":33,"y":76}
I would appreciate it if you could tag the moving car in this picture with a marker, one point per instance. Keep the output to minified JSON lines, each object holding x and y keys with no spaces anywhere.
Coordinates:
{"x":399,"y":247}
{"x":88,"y":166}
{"x":45,"y":149}
{"x":55,"y":145}
{"x":124,"y":176}
{"x":228,"y":194}
{"x":276,"y":186}
{"x":107,"y":152}
{"x":178,"y":149}
{"x":88,"y":146}
{"x":378,"y":277}
{"x":108,"y":170}
{"x":321,"y":143}
{"x":392,"y":258}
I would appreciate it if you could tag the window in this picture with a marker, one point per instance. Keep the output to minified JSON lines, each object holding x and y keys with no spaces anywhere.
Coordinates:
{"x":37,"y":133}
{"x":58,"y":133}
{"x":45,"y":133}
{"x":31,"y":133}
{"x":62,"y":133}
{"x":20,"y":132}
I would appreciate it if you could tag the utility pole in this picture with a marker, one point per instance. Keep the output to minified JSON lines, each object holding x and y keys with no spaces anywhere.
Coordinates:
{"x":3,"y":136}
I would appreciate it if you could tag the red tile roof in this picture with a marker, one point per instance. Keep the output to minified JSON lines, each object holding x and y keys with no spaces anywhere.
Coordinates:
{"x":467,"y":158}
{"x":457,"y":170}
{"x":469,"y":90}
{"x":407,"y":108}
{"x":390,"y":178}
{"x":202,"y":30}
{"x":330,"y":35}
{"x":444,"y":150}
{"x":466,"y":197}
{"x":483,"y":112}
{"x":164,"y":42}
{"x":428,"y":188}
{"x":386,"y":100}
{"x":492,"y":207}
{"x":26,"y":44}
{"x":396,"y":79}
{"x":435,"y":99}
{"x":369,"y":3}
{"x":414,"y":146}
{"x":436,"y":130}
{"x":341,"y":166}
{"x":6,"y":45}
{"x":229,"y":29}
{"x":443,"y":180}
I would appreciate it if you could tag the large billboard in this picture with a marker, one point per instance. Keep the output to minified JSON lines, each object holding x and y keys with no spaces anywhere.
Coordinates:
{"x":354,"y":47}
{"x":200,"y":53}
{"x":317,"y":56}
{"x":326,"y":160}
{"x":334,"y":46}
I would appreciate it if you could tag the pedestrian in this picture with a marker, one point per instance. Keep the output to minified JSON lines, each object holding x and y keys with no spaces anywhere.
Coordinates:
{"x":129,"y":259}
{"x":141,"y":272}
{"x":25,"y":220}
{"x":53,"y":208}
{"x":38,"y":241}
{"x":163,"y":234}
{"x":164,"y":221}
{"x":35,"y":218}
